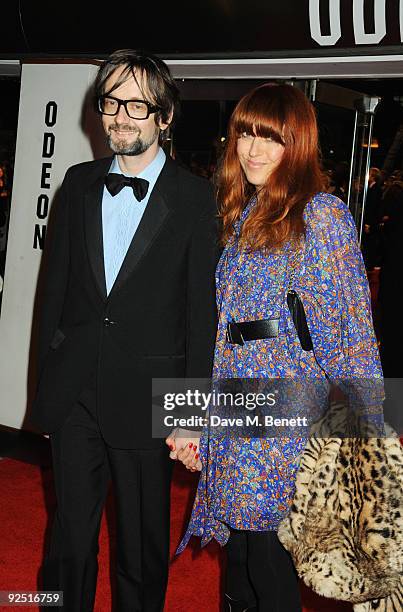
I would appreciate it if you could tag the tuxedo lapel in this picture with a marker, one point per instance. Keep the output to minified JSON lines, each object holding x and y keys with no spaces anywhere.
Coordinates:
{"x":155,"y":216}
{"x":93,"y":226}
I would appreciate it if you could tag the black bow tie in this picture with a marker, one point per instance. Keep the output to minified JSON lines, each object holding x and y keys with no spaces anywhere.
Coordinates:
{"x":115,"y":183}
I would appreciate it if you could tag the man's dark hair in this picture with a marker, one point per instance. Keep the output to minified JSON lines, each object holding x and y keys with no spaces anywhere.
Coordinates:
{"x":159,"y":81}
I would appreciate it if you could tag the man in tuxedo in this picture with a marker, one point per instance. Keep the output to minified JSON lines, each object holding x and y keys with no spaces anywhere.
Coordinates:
{"x":129,"y":295}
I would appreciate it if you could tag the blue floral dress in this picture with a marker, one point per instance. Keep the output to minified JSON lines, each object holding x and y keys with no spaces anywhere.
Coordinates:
{"x":248,"y":483}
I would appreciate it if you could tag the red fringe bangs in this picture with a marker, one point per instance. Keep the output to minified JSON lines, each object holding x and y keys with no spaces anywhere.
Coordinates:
{"x":258,"y":116}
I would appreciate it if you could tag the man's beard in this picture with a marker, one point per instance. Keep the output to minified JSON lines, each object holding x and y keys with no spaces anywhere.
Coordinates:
{"x":139,"y":146}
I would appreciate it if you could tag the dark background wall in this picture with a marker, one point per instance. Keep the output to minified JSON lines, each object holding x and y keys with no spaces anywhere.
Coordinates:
{"x":179,"y":26}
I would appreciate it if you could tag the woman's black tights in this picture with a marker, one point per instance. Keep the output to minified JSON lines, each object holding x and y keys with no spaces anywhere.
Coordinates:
{"x":260,"y":572}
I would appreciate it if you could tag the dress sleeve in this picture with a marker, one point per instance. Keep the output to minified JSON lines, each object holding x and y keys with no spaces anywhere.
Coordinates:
{"x":334,"y":289}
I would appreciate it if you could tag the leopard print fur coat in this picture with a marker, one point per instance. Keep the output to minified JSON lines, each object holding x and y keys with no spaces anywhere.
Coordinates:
{"x":344,"y":530}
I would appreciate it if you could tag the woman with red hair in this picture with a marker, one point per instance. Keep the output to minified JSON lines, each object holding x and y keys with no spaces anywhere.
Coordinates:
{"x":280,"y":230}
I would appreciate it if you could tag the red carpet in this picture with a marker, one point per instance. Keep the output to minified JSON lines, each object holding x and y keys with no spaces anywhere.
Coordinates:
{"x":27,"y":499}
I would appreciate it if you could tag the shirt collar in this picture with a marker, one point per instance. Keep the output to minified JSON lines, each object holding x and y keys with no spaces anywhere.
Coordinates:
{"x":150,"y":172}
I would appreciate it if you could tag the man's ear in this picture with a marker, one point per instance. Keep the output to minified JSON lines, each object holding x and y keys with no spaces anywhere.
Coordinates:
{"x":164,"y":124}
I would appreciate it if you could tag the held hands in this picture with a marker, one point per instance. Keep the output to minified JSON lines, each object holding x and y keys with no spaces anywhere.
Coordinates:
{"x":184,"y":445}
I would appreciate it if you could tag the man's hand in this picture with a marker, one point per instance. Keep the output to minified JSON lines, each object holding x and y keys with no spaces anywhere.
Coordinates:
{"x":184,"y":445}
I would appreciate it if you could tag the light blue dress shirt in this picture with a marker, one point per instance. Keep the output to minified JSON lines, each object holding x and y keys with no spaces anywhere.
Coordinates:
{"x":121,"y":215}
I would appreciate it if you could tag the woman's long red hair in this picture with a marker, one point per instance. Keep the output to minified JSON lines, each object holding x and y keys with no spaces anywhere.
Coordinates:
{"x":283,"y":113}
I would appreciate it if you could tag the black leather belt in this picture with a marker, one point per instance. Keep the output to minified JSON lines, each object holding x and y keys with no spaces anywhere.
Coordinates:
{"x":238,"y":333}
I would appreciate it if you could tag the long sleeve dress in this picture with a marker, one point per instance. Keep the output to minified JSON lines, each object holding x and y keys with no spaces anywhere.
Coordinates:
{"x":248,"y":483}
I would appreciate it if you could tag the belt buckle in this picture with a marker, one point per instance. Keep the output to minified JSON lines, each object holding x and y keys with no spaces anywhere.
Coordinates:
{"x":234,"y":334}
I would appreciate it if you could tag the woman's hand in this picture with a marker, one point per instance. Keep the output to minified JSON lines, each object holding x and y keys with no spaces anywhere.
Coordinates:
{"x":190,"y":457}
{"x":184,"y":445}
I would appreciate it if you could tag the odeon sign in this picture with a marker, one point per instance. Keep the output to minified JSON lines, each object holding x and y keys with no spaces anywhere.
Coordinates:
{"x":358,"y":10}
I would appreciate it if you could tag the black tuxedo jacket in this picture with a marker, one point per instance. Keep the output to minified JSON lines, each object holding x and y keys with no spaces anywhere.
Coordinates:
{"x":159,"y":319}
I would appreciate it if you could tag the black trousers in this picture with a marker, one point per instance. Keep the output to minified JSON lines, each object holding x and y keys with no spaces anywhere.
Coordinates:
{"x":83,"y":467}
{"x":261,"y":573}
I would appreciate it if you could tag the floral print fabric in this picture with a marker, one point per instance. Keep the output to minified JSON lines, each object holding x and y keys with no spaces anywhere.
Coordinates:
{"x":248,"y":483}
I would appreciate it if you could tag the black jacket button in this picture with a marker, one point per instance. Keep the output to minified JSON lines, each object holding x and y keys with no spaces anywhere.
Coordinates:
{"x":108,"y":322}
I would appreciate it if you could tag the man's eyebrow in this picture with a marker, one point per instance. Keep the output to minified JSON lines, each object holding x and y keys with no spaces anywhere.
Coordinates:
{"x":127,"y":99}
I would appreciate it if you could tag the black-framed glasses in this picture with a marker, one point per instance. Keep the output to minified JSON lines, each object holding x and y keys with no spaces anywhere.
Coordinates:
{"x":136,"y":109}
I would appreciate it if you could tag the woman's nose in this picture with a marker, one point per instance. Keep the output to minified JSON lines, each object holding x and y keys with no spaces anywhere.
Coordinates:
{"x":254,"y":148}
